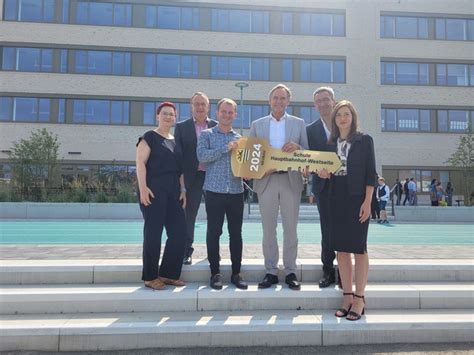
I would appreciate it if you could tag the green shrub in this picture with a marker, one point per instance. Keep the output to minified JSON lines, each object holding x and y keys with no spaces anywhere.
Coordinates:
{"x":125,"y":194}
{"x":101,"y":197}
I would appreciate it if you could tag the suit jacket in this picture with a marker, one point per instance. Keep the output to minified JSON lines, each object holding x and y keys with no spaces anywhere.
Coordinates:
{"x":360,"y":164}
{"x":295,"y":131}
{"x":186,"y":143}
{"x":317,"y":140}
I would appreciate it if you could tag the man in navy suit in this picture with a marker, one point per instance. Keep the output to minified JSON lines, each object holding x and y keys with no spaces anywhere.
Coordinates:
{"x":318,"y":134}
{"x":186,"y":136}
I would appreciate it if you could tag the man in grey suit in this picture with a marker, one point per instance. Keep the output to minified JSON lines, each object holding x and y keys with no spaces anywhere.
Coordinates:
{"x":186,"y":135}
{"x":280,"y":190}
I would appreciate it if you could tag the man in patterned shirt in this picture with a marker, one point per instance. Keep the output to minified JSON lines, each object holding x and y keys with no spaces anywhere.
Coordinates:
{"x":224,"y":192}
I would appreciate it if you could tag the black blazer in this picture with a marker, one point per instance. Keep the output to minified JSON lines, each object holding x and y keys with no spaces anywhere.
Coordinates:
{"x":186,"y":142}
{"x":317,"y":140}
{"x":360,"y":163}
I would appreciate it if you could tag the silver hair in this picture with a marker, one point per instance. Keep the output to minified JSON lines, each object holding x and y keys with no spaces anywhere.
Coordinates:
{"x":327,"y":89}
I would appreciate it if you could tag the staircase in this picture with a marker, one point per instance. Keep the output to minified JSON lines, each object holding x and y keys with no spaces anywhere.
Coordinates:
{"x":86,"y":305}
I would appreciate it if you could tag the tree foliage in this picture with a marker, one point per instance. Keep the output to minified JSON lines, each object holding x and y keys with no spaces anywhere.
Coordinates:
{"x":35,"y":163}
{"x":463,"y":158}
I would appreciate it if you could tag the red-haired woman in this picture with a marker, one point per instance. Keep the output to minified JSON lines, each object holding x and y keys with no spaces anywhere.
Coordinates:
{"x":162,"y":199}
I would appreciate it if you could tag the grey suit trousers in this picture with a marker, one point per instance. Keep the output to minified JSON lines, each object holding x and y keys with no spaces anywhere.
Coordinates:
{"x":279,"y":196}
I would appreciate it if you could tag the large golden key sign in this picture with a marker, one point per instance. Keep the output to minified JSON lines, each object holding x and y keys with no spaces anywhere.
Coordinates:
{"x":254,"y":157}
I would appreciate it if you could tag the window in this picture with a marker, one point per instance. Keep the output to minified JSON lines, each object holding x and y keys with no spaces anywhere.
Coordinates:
{"x":172,"y":17}
{"x":454,"y":74}
{"x":6,"y":108}
{"x":149,"y":112}
{"x":102,"y":62}
{"x":419,"y":120}
{"x":309,"y":114}
{"x":104,"y":14}
{"x":101,"y":112}
{"x":5,"y":171}
{"x":406,"y":120}
{"x":240,"y":21}
{"x":63,"y":67}
{"x":321,"y":70}
{"x":30,"y":10}
{"x":248,"y":113}
{"x":287,"y":70}
{"x":287,"y":22}
{"x":403,"y":27}
{"x":62,"y":111}
{"x":453,"y":29}
{"x":25,"y":109}
{"x":171,"y":65}
{"x":27,"y":59}
{"x":240,"y":68}
{"x":404,"y":73}
{"x":320,"y":24}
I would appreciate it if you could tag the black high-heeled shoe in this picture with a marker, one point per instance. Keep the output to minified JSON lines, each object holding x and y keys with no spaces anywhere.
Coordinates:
{"x":356,"y":316}
{"x":344,"y":312}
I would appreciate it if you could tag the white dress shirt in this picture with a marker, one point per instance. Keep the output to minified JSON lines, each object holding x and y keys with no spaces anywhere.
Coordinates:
{"x":277,"y":131}
{"x":328,"y":132}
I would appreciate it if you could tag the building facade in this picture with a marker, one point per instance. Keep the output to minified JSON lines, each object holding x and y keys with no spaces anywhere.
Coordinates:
{"x":92,"y":72}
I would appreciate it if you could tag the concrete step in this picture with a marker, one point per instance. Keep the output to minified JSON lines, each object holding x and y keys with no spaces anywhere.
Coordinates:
{"x":309,"y":270}
{"x":123,"y":331}
{"x":36,"y":299}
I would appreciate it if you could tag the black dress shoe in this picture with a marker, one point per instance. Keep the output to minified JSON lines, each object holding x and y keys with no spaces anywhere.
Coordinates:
{"x":216,"y":282}
{"x":239,"y":282}
{"x":327,"y":280}
{"x":292,"y":282}
{"x":188,"y":260}
{"x":268,"y":281}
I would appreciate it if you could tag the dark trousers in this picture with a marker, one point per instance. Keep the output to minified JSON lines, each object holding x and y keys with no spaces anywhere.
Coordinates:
{"x":164,"y":211}
{"x":327,"y":253}
{"x":232,"y":207}
{"x":406,"y":199}
{"x":399,"y":197}
{"x":193,"y":201}
{"x":375,"y":208}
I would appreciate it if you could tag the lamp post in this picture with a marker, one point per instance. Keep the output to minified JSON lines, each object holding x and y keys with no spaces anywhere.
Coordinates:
{"x":241,"y":85}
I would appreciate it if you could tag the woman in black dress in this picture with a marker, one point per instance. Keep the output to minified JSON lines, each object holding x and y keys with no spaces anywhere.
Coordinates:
{"x":162,"y":199}
{"x":351,"y":189}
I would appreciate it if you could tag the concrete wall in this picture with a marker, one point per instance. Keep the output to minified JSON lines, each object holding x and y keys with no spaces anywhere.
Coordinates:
{"x":31,"y":210}
{"x":434,"y":214}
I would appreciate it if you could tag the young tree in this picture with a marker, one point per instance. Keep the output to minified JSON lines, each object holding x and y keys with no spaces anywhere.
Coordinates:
{"x":463,"y":158}
{"x":35,"y":163}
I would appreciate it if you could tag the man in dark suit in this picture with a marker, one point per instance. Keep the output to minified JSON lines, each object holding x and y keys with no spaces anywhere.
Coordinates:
{"x":186,"y":135}
{"x":318,"y":134}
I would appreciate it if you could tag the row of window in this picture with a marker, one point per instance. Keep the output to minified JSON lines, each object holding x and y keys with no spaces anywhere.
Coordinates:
{"x":405,"y":73}
{"x":425,"y":120}
{"x":118,"y":112}
{"x":175,"y":17}
{"x":114,"y":112}
{"x":231,"y":68}
{"x":173,"y":65}
{"x":451,"y":29}
{"x":230,"y":20}
{"x":423,"y":177}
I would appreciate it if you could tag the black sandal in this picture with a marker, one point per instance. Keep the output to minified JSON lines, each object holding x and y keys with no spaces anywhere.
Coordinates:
{"x":355,"y":315}
{"x":344,"y":312}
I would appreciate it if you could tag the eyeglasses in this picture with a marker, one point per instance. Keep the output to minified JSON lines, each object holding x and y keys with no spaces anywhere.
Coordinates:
{"x":169,"y":114}
{"x":323,"y":100}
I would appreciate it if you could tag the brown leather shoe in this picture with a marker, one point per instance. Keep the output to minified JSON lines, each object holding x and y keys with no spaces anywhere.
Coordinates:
{"x":155,"y":284}
{"x":172,"y":282}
